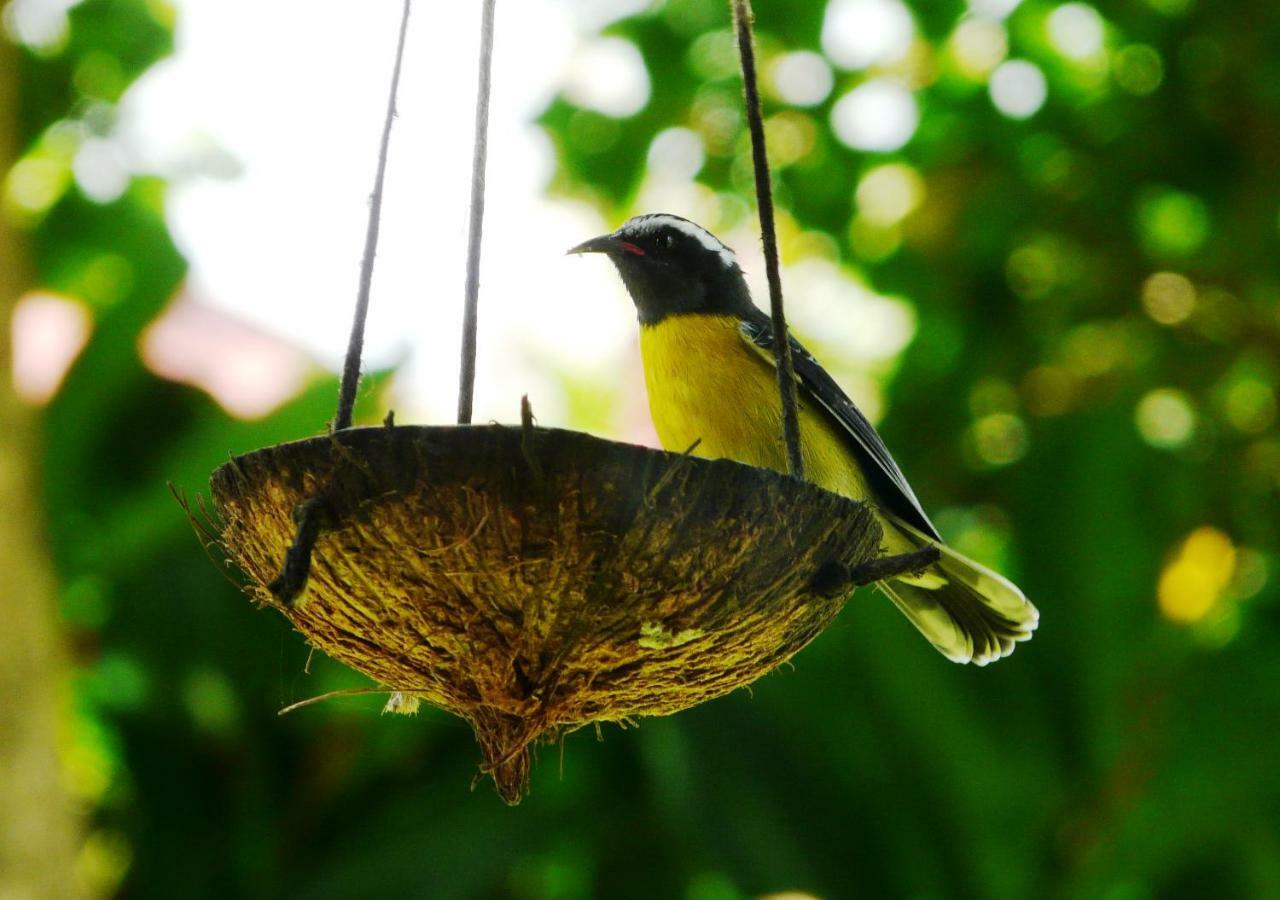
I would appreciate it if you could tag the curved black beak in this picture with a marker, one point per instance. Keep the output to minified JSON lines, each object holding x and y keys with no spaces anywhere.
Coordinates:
{"x":605,"y":243}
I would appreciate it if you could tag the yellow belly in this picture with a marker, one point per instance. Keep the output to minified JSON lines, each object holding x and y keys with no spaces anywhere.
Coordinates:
{"x":706,"y":384}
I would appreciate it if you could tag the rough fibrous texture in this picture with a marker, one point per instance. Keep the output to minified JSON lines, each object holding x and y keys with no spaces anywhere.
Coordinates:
{"x":535,"y":580}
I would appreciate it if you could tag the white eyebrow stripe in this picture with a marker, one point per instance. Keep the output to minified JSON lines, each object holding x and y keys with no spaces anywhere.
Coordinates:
{"x":697,"y":232}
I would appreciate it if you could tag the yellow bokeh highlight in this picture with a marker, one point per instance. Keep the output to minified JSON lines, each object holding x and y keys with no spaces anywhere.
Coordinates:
{"x":1095,"y":349}
{"x":1032,"y":270}
{"x":790,"y":136}
{"x":888,"y":194}
{"x":1169,"y":298}
{"x":1192,"y":585}
{"x":1165,"y":418}
{"x":35,"y":184}
{"x":999,"y":439}
{"x":1251,"y":406}
{"x":977,"y":46}
{"x":38,"y":180}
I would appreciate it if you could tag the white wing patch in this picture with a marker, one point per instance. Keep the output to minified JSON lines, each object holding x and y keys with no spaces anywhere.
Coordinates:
{"x":684,"y":226}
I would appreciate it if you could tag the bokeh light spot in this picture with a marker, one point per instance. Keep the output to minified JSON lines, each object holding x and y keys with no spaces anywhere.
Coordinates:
{"x":860,"y":33}
{"x":89,"y":759}
{"x":1018,"y":89}
{"x":40,"y":178}
{"x":48,"y":333}
{"x":118,"y":681}
{"x":99,"y":76}
{"x":35,"y":183}
{"x":106,"y":279}
{"x":1250,"y":575}
{"x":1172,"y":223}
{"x":608,"y":75}
{"x":888,"y":194}
{"x":993,"y":9}
{"x":1139,"y":69}
{"x":1093,"y":349}
{"x":999,"y":439}
{"x":841,"y":311}
{"x":210,"y":700}
{"x":100,"y":170}
{"x":677,"y":152}
{"x":802,"y":78}
{"x":1165,"y":418}
{"x":1032,"y":270}
{"x":715,"y":115}
{"x":811,"y":244}
{"x":41,"y":25}
{"x":714,"y":55}
{"x":1169,"y":298}
{"x":1075,"y":30}
{"x":978,"y":46}
{"x":880,"y":114}
{"x":1250,"y":406}
{"x":1193,"y":583}
{"x":790,"y":136}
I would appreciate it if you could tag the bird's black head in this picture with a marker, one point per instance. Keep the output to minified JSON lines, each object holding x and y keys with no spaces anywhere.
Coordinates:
{"x":672,"y":266}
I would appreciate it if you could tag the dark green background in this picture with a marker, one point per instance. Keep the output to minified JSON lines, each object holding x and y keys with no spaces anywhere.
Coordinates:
{"x":1119,"y":755}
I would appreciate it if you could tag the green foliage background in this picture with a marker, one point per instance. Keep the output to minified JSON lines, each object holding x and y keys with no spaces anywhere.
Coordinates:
{"x":1118,"y":755}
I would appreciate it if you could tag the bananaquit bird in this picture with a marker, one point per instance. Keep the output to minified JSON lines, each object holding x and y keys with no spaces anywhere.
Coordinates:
{"x":709,"y":370}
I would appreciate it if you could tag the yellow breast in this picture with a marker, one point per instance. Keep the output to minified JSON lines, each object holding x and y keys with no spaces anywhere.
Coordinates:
{"x":706,"y":384}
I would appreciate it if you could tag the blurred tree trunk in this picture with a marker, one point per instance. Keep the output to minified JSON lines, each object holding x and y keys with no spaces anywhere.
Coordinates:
{"x":38,"y":828}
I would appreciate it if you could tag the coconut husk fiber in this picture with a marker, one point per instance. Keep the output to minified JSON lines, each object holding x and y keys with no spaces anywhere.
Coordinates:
{"x":534,"y":580}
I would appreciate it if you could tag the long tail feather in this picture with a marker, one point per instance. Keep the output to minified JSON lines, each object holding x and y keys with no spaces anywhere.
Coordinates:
{"x":967,"y":611}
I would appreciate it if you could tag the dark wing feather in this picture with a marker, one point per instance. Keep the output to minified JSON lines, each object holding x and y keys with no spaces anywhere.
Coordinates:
{"x":883,"y":476}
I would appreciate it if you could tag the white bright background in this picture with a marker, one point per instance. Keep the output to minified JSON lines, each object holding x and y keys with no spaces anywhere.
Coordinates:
{"x":266,"y":122}
{"x":292,"y":95}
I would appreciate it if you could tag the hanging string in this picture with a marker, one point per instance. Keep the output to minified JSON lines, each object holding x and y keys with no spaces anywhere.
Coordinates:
{"x":480,"y":153}
{"x":355,"y":346}
{"x":743,"y":18}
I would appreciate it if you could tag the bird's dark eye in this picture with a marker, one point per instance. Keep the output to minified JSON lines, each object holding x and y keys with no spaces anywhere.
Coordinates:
{"x":668,"y":241}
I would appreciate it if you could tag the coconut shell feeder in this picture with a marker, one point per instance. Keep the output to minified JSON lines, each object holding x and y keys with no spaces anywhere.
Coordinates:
{"x":535,"y":580}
